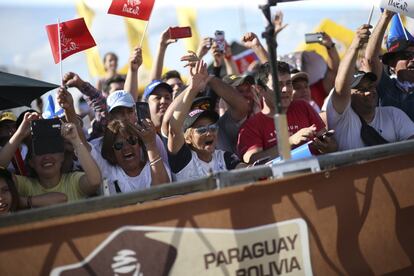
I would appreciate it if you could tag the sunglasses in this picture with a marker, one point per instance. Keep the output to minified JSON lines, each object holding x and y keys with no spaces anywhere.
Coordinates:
{"x":204,"y":129}
{"x":131,"y":140}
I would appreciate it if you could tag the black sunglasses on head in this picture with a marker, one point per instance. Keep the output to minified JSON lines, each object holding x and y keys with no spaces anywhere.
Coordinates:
{"x":131,"y":140}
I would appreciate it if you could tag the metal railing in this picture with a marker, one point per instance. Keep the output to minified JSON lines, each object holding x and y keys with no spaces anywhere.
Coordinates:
{"x":211,"y":182}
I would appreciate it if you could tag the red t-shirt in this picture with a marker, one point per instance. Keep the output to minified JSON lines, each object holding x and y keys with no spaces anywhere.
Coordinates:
{"x":259,"y":130}
{"x":318,"y":93}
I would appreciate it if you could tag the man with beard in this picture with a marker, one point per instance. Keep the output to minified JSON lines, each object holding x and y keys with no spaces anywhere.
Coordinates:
{"x":397,"y":88}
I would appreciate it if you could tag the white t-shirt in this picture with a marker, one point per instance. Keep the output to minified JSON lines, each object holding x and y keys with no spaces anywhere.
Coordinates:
{"x":390,"y":122}
{"x":115,"y":174}
{"x":186,"y":165}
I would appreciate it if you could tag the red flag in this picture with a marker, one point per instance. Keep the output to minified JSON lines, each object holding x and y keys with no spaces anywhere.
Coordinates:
{"x":74,"y":37}
{"x":139,"y":9}
{"x":244,"y":59}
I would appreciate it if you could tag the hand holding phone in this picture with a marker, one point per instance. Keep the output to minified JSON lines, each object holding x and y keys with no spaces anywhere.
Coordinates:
{"x":328,"y":133}
{"x":179,"y":32}
{"x":313,"y":38}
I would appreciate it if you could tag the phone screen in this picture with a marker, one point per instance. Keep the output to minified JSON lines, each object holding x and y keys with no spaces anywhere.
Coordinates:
{"x":143,"y":111}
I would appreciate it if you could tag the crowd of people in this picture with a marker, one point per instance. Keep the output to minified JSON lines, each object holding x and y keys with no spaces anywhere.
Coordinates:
{"x":209,"y":123}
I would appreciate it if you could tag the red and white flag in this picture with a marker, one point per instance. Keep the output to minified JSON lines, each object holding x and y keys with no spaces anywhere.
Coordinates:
{"x":244,"y":59}
{"x":74,"y":37}
{"x":139,"y":9}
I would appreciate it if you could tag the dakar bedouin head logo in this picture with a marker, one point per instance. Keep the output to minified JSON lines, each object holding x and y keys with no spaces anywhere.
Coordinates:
{"x":126,"y":263}
{"x":67,"y":44}
{"x":131,"y":6}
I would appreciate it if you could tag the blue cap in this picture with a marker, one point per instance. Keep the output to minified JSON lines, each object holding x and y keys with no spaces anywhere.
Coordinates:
{"x":154,"y":85}
{"x":119,"y":98}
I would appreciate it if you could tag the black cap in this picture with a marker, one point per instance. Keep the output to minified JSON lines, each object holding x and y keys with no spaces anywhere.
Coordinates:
{"x":396,"y":47}
{"x":204,"y":103}
{"x":359,"y":76}
{"x":236,"y":80}
{"x":195,"y":114}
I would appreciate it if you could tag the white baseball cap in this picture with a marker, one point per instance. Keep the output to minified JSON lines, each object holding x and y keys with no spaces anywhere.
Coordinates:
{"x":119,"y":98}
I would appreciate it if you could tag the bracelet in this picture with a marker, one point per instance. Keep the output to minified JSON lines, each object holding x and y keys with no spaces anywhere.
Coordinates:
{"x":29,"y":202}
{"x":155,"y":161}
{"x":330,"y":47}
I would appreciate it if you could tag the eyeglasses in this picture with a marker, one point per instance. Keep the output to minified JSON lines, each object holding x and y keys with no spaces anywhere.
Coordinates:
{"x":131,"y":140}
{"x":204,"y":129}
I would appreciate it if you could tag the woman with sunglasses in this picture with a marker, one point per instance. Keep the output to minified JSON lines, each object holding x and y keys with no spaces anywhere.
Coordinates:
{"x":130,"y":160}
{"x":192,"y":153}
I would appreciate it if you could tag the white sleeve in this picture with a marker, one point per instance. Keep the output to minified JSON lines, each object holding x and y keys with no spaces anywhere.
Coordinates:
{"x":403,"y":125}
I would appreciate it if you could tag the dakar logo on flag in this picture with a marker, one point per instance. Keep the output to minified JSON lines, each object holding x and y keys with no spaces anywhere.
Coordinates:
{"x":67,"y":44}
{"x":132,"y":7}
{"x":138,"y":9}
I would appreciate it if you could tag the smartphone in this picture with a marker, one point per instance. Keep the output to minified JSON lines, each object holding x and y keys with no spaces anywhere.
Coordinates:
{"x":180,"y":32}
{"x":328,"y":133}
{"x":219,"y":38}
{"x":313,"y":38}
{"x":143,"y":111}
{"x":46,"y":136}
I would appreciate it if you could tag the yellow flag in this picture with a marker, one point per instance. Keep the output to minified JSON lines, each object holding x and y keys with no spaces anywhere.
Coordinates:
{"x":188,"y":17}
{"x":340,"y":34}
{"x":135,"y":29}
{"x":93,"y":59}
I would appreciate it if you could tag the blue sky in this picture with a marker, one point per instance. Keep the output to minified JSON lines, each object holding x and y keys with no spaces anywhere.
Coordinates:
{"x":25,"y":45}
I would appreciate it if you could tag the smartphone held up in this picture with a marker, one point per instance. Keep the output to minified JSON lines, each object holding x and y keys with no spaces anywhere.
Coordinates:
{"x":313,"y":38}
{"x":220,"y":41}
{"x":143,"y":111}
{"x":179,"y":32}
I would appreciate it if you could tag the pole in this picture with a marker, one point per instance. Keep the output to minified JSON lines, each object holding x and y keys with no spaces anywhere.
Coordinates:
{"x":279,"y":117}
{"x":60,"y":52}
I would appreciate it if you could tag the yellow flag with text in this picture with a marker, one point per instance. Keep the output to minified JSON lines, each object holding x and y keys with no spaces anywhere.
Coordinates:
{"x":188,"y":17}
{"x":93,"y":59}
{"x":341,"y":35}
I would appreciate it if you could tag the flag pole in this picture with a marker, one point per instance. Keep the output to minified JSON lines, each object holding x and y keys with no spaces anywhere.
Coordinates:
{"x":143,"y":34}
{"x":402,"y":25}
{"x":60,"y":52}
{"x":370,"y":15}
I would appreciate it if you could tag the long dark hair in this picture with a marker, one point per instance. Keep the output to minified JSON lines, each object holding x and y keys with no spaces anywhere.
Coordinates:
{"x":12,"y":188}
{"x":125,"y":129}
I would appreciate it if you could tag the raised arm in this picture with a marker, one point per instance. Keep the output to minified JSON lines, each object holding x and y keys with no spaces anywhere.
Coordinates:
{"x":251,"y":41}
{"x":93,"y":97}
{"x":7,"y":152}
{"x":373,"y":51}
{"x":231,"y":67}
{"x":147,"y":133}
{"x":342,"y":95}
{"x":131,"y":81}
{"x":156,"y":70}
{"x":91,"y":181}
{"x":198,"y":81}
{"x":238,"y":104}
{"x":332,"y":62}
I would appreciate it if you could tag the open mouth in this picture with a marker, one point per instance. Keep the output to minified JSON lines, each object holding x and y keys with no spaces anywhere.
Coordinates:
{"x":129,"y":156}
{"x":3,"y":206}
{"x":209,"y":142}
{"x":47,"y":164}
